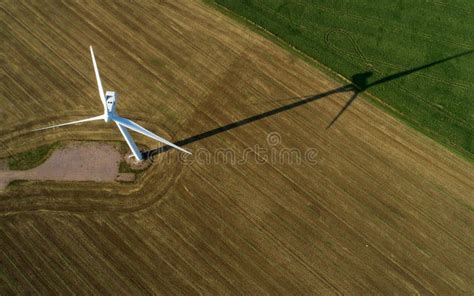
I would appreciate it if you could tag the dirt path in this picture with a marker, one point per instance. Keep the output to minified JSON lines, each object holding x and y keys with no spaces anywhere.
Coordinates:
{"x":89,"y":161}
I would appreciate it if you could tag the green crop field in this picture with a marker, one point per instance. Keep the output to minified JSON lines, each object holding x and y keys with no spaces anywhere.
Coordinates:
{"x":417,"y":55}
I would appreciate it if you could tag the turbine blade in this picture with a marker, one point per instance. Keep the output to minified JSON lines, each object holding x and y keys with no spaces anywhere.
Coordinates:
{"x":73,"y":122}
{"x":97,"y":77}
{"x":139,"y":129}
{"x":131,"y":143}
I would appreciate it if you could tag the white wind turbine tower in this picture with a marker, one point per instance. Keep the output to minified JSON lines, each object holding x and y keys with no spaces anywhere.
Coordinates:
{"x":109,"y":101}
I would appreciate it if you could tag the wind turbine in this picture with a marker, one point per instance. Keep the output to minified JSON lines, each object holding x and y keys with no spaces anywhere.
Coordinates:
{"x":109,"y":101}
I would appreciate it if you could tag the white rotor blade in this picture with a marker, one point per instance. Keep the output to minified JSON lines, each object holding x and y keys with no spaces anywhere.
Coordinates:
{"x":137,"y":128}
{"x":97,"y":77}
{"x":101,"y":117}
{"x":136,"y":152}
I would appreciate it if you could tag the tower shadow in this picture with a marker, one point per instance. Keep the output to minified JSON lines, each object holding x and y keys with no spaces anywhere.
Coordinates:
{"x":359,"y":84}
{"x":360,"y":81}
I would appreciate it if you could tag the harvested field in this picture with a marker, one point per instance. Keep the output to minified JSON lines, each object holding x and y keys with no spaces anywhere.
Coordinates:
{"x":378,"y":209}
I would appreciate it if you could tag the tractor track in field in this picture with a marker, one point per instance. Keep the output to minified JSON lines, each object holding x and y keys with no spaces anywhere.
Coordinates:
{"x":402,"y":29}
{"x":370,"y":64}
{"x":83,"y":204}
{"x":382,"y":210}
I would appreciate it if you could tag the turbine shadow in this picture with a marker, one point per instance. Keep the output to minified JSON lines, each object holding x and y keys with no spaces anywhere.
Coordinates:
{"x":360,"y":81}
{"x":359,"y":84}
{"x":218,"y":130}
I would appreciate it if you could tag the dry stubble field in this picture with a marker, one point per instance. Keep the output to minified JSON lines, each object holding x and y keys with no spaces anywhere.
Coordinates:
{"x":383,"y":210}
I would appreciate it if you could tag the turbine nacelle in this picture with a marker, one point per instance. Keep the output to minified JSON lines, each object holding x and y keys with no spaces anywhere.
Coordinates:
{"x":110,"y":103}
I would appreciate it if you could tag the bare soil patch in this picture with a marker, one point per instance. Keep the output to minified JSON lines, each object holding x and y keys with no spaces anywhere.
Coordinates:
{"x":78,"y":161}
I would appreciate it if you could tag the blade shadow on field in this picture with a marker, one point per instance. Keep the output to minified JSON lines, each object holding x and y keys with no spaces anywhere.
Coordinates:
{"x":359,"y":84}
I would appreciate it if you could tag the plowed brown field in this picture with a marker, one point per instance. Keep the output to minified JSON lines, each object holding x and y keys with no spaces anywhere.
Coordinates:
{"x":381,"y":210}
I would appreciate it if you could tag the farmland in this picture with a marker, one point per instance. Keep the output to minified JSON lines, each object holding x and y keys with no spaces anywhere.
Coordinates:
{"x":379,"y":209}
{"x":384,"y":38}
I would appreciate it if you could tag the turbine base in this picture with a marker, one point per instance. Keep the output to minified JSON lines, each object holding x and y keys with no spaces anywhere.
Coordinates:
{"x":135,"y":164}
